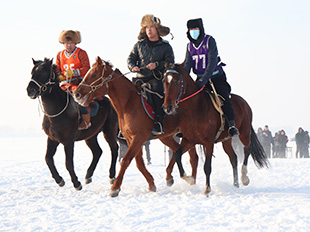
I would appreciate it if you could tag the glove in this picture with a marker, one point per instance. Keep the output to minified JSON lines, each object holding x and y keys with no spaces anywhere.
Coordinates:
{"x":61,"y":78}
{"x":68,"y":73}
{"x":200,"y":83}
{"x":72,"y":73}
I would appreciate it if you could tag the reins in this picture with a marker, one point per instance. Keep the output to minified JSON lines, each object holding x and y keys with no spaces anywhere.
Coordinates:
{"x":43,"y":88}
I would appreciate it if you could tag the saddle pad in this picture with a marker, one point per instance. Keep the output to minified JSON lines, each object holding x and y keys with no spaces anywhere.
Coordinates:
{"x":148,"y":108}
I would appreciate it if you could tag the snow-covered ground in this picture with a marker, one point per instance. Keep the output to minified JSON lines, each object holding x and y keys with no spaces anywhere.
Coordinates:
{"x":277,"y":199}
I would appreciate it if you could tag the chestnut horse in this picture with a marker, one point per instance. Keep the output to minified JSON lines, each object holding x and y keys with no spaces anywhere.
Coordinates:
{"x":200,"y":123}
{"x":134,"y":123}
{"x":61,"y":120}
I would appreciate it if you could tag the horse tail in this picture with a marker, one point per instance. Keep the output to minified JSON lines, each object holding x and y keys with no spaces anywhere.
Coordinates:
{"x":257,"y":151}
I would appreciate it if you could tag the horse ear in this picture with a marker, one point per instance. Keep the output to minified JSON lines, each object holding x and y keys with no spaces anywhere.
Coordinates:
{"x":51,"y":61}
{"x":98,"y":60}
{"x":33,"y":61}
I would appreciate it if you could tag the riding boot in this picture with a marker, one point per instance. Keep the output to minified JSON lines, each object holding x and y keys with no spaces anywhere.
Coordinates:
{"x":85,"y":124}
{"x":232,"y":130}
{"x":158,"y":128}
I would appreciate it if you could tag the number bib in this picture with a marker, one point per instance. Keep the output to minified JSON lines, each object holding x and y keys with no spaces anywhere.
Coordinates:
{"x":200,"y":56}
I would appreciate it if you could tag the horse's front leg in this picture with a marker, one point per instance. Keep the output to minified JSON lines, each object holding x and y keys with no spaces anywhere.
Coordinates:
{"x":69,"y":147}
{"x":133,"y":149}
{"x":92,"y":143}
{"x":185,"y":146}
{"x":49,"y":159}
{"x":207,"y":167}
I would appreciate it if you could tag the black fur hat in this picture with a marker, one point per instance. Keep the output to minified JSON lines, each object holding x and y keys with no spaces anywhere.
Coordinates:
{"x":193,"y":23}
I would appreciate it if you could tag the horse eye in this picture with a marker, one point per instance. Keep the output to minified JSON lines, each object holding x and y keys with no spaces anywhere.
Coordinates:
{"x":93,"y":76}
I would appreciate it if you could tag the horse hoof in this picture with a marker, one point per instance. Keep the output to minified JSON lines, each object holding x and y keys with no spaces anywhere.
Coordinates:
{"x":170,"y":182}
{"x":152,"y":189}
{"x":236,"y":185}
{"x":114,"y":193}
{"x":79,"y":187}
{"x":245,"y":181}
{"x":207,"y":191}
{"x":88,"y":180}
{"x":189,"y":179}
{"x":112,"y":180}
{"x":61,"y":183}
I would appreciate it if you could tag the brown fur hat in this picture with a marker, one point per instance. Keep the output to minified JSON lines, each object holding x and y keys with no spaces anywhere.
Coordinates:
{"x":151,"y":20}
{"x":70,"y":36}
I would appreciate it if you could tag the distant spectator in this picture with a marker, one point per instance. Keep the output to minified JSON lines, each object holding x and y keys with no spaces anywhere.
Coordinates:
{"x":282,"y":140}
{"x":300,"y":139}
{"x":147,"y":150}
{"x":276,"y":142}
{"x":307,"y":141}
{"x":267,"y":141}
{"x":260,"y":134}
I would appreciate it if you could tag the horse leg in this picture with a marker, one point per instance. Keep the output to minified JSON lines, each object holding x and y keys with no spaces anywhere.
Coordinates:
{"x":70,"y":166}
{"x":244,"y":170}
{"x":92,"y":143}
{"x":193,"y":159}
{"x":169,"y":177}
{"x":141,"y":166}
{"x":207,"y":166}
{"x":111,"y":140}
{"x":233,"y":160}
{"x":133,"y":149}
{"x":49,"y":159}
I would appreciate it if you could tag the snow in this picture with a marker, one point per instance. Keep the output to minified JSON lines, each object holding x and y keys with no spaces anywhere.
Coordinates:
{"x":277,"y":199}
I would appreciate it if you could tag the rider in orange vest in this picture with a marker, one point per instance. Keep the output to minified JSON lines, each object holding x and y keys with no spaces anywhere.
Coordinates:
{"x":73,"y":64}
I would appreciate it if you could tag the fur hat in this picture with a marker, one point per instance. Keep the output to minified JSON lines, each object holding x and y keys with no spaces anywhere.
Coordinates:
{"x":151,"y":20}
{"x":194,"y":23}
{"x":70,"y":36}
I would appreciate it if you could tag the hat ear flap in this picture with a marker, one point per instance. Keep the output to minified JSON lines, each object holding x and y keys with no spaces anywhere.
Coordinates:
{"x":78,"y":37}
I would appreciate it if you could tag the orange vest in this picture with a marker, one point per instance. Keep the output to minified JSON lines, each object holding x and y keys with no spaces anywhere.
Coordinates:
{"x":70,"y":63}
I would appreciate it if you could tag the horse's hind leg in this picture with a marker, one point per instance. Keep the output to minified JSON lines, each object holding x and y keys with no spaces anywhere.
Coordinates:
{"x":70,"y":166}
{"x":92,"y":143}
{"x":233,"y":160}
{"x":244,"y":170}
{"x":141,"y":166}
{"x":49,"y":159}
{"x":193,"y":159}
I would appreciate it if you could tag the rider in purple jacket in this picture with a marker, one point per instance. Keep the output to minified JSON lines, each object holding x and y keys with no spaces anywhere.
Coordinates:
{"x":202,"y":57}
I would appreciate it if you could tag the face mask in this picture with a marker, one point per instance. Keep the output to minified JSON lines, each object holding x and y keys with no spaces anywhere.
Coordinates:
{"x":194,"y":34}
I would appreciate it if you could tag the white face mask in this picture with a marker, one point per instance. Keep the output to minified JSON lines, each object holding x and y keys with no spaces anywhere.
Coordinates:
{"x":194,"y":34}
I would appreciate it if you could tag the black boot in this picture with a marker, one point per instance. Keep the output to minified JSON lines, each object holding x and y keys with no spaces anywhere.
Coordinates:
{"x":232,"y":130}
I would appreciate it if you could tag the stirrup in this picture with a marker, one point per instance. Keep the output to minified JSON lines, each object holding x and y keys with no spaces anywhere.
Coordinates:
{"x":84,"y":125}
{"x":232,"y":131}
{"x":157,"y":130}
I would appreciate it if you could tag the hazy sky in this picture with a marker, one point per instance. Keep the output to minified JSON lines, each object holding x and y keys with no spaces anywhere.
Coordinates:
{"x":264,"y":43}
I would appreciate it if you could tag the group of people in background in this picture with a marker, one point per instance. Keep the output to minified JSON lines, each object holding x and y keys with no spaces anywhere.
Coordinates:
{"x":276,"y":147}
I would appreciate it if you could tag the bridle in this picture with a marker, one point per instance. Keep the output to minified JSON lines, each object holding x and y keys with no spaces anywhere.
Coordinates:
{"x":44,"y":87}
{"x":93,"y":86}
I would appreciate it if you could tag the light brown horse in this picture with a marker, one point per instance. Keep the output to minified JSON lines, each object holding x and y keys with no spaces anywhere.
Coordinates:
{"x":200,"y":123}
{"x":134,"y":123}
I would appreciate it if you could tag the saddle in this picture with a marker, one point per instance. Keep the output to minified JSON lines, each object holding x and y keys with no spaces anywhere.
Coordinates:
{"x":144,"y":90}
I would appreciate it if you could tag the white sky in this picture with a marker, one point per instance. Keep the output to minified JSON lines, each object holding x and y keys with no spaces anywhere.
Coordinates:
{"x":263,"y":42}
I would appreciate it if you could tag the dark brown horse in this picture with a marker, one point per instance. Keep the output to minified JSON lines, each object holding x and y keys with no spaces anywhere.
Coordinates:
{"x":134,"y":123}
{"x":200,"y":123}
{"x":61,"y":121}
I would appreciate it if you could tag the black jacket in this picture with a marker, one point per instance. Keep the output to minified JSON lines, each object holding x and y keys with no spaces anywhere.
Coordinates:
{"x":145,"y":52}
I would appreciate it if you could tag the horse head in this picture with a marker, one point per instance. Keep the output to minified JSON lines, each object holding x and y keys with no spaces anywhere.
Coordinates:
{"x":43,"y":78}
{"x":174,"y":88}
{"x":95,"y":83}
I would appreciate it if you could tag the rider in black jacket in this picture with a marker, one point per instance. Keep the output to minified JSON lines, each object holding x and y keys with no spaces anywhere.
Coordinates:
{"x":148,"y":58}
